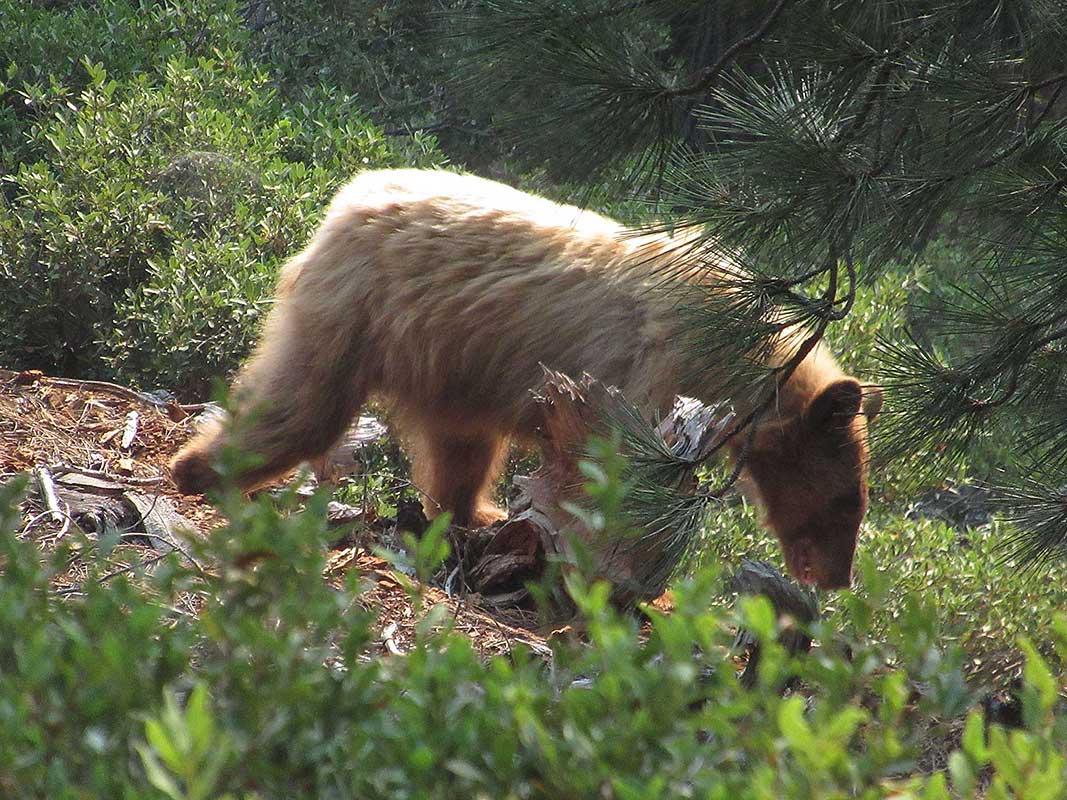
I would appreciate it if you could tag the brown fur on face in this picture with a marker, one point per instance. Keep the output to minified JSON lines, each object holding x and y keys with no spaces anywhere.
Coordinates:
{"x":443,"y":294}
{"x":811,"y":474}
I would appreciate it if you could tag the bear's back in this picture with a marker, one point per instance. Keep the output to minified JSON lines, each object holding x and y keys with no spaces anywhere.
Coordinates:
{"x":459,"y":289}
{"x":458,"y":195}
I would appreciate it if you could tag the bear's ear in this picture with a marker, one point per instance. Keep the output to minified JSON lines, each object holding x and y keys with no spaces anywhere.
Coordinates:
{"x":872,"y":401}
{"x":836,"y":404}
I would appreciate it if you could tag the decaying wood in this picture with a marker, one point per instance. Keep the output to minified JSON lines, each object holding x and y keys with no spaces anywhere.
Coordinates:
{"x":158,"y":519}
{"x":100,"y":506}
{"x":98,"y":513}
{"x":540,"y":527}
{"x":129,"y":430}
{"x":48,"y":493}
{"x":789,"y":600}
{"x":342,"y":513}
{"x":343,"y":461}
{"x":71,"y":474}
{"x":502,"y":569}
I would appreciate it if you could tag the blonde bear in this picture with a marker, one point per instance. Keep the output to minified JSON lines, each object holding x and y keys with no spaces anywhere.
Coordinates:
{"x":443,"y":294}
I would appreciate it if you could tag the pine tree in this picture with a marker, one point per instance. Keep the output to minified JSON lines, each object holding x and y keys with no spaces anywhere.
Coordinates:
{"x":816,"y":144}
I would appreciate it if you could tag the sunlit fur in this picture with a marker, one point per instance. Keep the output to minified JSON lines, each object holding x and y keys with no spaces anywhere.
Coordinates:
{"x":443,"y":294}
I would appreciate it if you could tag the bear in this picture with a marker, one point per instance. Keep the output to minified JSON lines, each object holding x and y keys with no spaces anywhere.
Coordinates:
{"x":443,"y":294}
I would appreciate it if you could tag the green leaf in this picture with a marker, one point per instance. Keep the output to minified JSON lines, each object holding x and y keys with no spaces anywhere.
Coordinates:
{"x":199,"y":720}
{"x":159,"y":739}
{"x":1037,"y":675}
{"x":792,"y":724}
{"x":973,"y":740}
{"x":936,"y":788}
{"x":759,"y":616}
{"x":963,"y":776}
{"x":158,"y":776}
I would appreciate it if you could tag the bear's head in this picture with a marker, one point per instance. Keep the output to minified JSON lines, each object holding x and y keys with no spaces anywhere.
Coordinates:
{"x":810,"y":474}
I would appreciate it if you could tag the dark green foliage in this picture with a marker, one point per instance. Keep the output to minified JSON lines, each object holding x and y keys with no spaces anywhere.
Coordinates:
{"x":268,"y":691}
{"x":44,"y":46}
{"x":147,"y":212}
{"x":836,"y":141}
{"x":397,"y":59}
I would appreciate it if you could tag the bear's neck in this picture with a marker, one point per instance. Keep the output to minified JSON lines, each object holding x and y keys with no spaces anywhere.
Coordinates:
{"x":679,"y":259}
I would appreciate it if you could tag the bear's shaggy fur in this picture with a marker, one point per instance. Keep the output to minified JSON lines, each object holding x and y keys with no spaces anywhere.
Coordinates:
{"x":443,"y":294}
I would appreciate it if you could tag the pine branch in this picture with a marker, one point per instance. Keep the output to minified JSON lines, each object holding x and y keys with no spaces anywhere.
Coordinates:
{"x":875,"y":93}
{"x":1028,"y":131}
{"x":709,"y":75}
{"x":1039,"y":510}
{"x":860,"y":128}
{"x":1055,"y":336}
{"x":1053,"y":81}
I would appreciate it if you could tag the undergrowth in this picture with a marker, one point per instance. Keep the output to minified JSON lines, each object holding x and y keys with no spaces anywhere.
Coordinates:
{"x":276,"y":688}
{"x":153,"y":186}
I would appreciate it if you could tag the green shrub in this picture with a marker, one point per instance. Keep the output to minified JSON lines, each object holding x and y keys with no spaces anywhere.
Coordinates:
{"x":273,"y":690}
{"x":148,"y":233}
{"x":43,"y":46}
{"x":399,"y":59}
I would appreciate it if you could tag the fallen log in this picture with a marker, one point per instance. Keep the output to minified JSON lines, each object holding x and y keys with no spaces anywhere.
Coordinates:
{"x":798,"y":605}
{"x":101,"y":507}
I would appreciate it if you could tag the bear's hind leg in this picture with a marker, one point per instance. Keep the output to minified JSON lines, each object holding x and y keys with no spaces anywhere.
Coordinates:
{"x":294,"y":399}
{"x":456,"y":473}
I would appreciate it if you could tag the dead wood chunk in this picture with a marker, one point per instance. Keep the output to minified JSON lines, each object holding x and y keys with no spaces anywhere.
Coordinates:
{"x":111,"y":434}
{"x":96,"y":508}
{"x":46,"y":488}
{"x":174,"y":412}
{"x":97,"y":512}
{"x":503,"y":569}
{"x":129,"y":430}
{"x":511,"y":599}
{"x":571,"y":411}
{"x":343,"y":460}
{"x":210,"y":414}
{"x":160,"y":522}
{"x":341,"y":513}
{"x":788,"y":598}
{"x":468,"y":547}
{"x":500,"y":558}
{"x":540,"y":525}
{"x":90,"y":483}
{"x":27,"y":377}
{"x":520,"y":535}
{"x":340,"y":560}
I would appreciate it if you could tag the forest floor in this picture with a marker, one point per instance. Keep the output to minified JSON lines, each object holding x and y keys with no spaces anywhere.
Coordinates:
{"x":77,"y":436}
